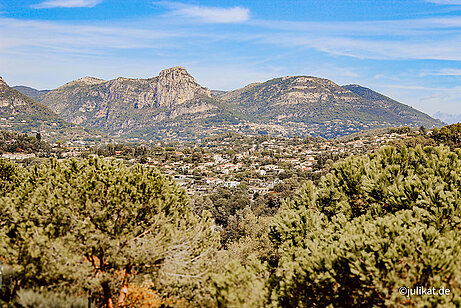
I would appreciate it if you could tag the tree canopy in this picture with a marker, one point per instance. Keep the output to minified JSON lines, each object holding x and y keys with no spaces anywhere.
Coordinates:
{"x":374,"y":224}
{"x":89,"y":226}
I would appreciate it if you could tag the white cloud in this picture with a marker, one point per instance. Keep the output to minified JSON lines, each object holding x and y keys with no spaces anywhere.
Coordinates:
{"x":208,"y":14}
{"x":53,"y":38}
{"x":447,"y":2}
{"x":66,"y":4}
{"x":418,"y":39}
{"x":442,"y":72}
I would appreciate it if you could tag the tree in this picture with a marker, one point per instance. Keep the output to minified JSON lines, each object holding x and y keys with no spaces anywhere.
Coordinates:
{"x":95,"y":226}
{"x":374,"y":224}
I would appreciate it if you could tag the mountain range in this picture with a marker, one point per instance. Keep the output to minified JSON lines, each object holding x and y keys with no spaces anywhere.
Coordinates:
{"x":173,"y":106}
{"x":20,"y":113}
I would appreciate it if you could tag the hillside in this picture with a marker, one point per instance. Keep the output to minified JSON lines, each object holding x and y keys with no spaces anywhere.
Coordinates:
{"x":319,"y":107}
{"x":31,"y":92}
{"x":21,"y":113}
{"x":400,"y":110}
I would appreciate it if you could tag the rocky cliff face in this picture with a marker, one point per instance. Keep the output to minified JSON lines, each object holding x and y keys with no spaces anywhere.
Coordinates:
{"x":172,"y":87}
{"x":175,"y":86}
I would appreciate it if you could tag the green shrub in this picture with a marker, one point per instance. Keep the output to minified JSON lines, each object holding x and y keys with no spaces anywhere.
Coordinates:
{"x":32,"y":299}
{"x":92,"y":226}
{"x":374,"y":224}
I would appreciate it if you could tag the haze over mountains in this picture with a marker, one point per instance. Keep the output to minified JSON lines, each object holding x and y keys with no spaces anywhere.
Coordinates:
{"x":173,"y":105}
{"x":448,"y":118}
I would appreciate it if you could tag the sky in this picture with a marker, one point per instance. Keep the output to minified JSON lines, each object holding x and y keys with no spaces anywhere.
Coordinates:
{"x":409,"y":50}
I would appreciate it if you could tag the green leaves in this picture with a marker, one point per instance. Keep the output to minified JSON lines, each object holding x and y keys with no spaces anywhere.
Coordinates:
{"x":374,"y":224}
{"x":80,"y":223}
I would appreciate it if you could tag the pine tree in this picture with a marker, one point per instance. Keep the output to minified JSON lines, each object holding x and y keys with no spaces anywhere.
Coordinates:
{"x":94,"y":226}
{"x":374,"y":224}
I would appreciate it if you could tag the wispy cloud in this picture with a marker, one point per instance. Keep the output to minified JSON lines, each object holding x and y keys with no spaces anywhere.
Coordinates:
{"x":418,"y":39}
{"x":447,"y":2}
{"x":209,"y":14}
{"x":442,"y":72}
{"x":64,"y":38}
{"x":66,"y":4}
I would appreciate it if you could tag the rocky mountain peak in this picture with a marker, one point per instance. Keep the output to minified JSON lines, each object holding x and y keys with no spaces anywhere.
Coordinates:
{"x":2,"y":82}
{"x":176,"y":71}
{"x":353,"y":86}
{"x":176,"y":86}
{"x":90,"y":80}
{"x":302,"y":80}
{"x":84,"y":81}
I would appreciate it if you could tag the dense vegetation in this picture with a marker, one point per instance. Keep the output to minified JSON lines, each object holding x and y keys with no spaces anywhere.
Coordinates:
{"x":127,"y":236}
{"x":374,"y":224}
{"x":97,"y":229}
{"x":11,"y":142}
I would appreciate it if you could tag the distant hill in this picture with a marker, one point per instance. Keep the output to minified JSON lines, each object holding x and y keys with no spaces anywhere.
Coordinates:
{"x":218,"y":93}
{"x":31,"y":92}
{"x":401,"y":111}
{"x":20,"y":113}
{"x":173,"y":106}
{"x":448,"y":118}
{"x":301,"y":105}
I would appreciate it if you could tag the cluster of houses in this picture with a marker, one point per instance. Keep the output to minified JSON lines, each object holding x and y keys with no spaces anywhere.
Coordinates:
{"x":230,"y":162}
{"x":259,"y":165}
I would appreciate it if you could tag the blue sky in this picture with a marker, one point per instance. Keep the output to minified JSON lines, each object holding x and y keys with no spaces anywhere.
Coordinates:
{"x":409,"y":50}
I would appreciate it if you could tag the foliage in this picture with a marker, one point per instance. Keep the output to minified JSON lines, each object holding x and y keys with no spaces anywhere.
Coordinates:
{"x":241,"y":285}
{"x":14,"y":142}
{"x":31,"y":299}
{"x":374,"y":224}
{"x":143,"y":296}
{"x":93,"y":226}
{"x":449,"y":135}
{"x":9,"y":176}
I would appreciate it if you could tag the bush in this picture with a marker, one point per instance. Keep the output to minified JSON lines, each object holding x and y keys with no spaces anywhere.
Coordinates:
{"x":374,"y":224}
{"x":32,"y":299}
{"x":93,"y":226}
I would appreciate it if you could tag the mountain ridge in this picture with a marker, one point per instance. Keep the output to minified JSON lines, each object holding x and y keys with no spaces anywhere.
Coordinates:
{"x":174,"y":105}
{"x":318,"y":106}
{"x":129,"y":107}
